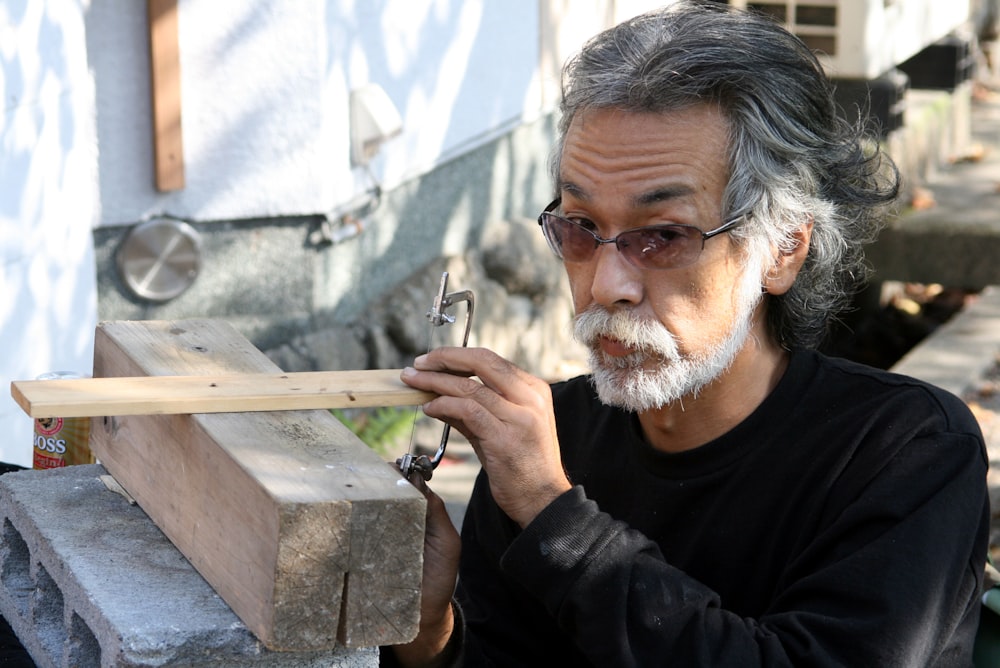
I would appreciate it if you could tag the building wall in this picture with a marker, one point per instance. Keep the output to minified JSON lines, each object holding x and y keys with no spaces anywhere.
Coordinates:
{"x":864,"y":39}
{"x":273,"y":281}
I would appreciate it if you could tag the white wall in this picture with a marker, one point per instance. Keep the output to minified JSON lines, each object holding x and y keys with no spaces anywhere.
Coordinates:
{"x":459,"y":72}
{"x":48,"y":202}
{"x":252,"y":108}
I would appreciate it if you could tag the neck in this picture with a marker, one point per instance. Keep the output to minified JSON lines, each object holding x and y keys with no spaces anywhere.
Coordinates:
{"x":723,"y":404}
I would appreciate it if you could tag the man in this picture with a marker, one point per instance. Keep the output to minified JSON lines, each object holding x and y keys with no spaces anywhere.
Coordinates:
{"x":715,"y":493}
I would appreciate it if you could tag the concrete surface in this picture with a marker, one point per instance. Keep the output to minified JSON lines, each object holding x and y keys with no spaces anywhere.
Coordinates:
{"x":958,"y":355}
{"x":88,"y":580}
{"x":952,"y":236}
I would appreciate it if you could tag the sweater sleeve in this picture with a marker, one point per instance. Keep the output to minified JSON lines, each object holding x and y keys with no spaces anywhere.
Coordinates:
{"x":891,"y":580}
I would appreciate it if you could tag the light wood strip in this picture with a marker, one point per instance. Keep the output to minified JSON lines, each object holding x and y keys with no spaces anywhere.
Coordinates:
{"x":165,"y":75}
{"x":231,"y":393}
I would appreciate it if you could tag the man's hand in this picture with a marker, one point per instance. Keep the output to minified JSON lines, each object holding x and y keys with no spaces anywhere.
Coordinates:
{"x":507,"y":416}
{"x":442,"y":547}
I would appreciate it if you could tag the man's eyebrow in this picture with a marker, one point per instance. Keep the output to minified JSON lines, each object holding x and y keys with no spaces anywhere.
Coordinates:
{"x":662,"y":194}
{"x":574,"y":190}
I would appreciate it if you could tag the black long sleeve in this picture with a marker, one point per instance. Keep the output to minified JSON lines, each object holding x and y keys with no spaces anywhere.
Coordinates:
{"x":843,"y":523}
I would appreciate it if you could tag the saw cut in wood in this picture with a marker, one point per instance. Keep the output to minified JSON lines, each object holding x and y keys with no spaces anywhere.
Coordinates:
{"x":222,"y":393}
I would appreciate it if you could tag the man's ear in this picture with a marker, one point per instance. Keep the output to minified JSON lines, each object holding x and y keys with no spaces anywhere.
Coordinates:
{"x":788,"y":262}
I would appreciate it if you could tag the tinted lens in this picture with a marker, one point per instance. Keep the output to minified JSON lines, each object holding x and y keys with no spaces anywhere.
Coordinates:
{"x":568,"y":240}
{"x":661,"y":246}
{"x":656,"y":247}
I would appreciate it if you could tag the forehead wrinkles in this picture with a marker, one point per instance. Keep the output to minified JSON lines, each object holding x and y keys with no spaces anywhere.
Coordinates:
{"x":611,"y":146}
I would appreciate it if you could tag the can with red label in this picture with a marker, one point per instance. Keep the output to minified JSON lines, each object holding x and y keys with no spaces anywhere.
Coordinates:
{"x":61,"y":441}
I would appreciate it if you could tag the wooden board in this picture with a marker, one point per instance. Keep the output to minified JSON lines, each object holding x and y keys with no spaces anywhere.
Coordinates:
{"x":165,"y":78}
{"x":249,"y":392}
{"x":303,"y":530}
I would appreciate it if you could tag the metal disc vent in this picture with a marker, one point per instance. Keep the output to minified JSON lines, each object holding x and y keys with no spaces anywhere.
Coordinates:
{"x":159,"y":259}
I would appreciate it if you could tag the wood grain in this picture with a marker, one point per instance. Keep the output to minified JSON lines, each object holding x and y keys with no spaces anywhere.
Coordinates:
{"x":247,"y":392}
{"x":279,"y":511}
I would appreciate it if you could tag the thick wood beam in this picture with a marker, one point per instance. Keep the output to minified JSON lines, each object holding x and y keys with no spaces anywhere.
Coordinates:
{"x":310,"y":537}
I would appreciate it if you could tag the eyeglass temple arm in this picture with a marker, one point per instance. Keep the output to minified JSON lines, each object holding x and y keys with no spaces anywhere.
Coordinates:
{"x":726,"y":226}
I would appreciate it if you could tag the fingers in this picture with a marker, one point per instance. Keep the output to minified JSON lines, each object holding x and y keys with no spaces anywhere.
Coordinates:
{"x":440,"y":527}
{"x":465,"y":403}
{"x":480,"y":393}
{"x":442,"y":549}
{"x":492,"y":371}
{"x":506,"y":414}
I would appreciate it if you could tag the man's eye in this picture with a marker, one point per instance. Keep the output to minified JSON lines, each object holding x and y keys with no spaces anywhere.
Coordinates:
{"x":666,"y":235}
{"x":656,"y":238}
{"x":585,"y":223}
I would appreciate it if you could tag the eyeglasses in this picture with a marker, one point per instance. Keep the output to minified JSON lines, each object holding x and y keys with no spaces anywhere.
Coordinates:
{"x":669,"y":246}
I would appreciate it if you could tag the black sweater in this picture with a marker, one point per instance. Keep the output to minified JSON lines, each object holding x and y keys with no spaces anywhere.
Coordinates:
{"x":843,"y":523}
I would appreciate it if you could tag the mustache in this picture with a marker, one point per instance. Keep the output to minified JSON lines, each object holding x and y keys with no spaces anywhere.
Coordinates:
{"x":647,"y":336}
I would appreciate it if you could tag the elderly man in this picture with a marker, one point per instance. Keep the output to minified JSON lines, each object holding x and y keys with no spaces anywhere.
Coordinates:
{"x":715,"y":493}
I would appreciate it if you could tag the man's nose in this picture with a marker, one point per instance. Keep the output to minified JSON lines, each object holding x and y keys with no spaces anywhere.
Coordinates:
{"x":615,"y":280}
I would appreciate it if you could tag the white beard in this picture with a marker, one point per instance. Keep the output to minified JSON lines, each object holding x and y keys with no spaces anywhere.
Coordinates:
{"x":657,"y":374}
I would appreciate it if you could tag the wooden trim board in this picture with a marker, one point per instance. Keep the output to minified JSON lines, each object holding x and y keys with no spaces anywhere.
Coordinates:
{"x":160,"y":395}
{"x":310,"y":537}
{"x":165,"y":85}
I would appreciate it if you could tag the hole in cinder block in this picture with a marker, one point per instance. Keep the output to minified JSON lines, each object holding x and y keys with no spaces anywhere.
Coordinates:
{"x":15,"y":571}
{"x":47,"y":614}
{"x":83,"y":649}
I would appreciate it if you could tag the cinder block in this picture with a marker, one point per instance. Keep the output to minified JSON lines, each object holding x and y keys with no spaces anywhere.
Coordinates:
{"x":88,"y":580}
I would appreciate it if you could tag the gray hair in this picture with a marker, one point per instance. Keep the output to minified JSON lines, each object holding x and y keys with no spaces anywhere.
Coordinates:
{"x":792,"y":158}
